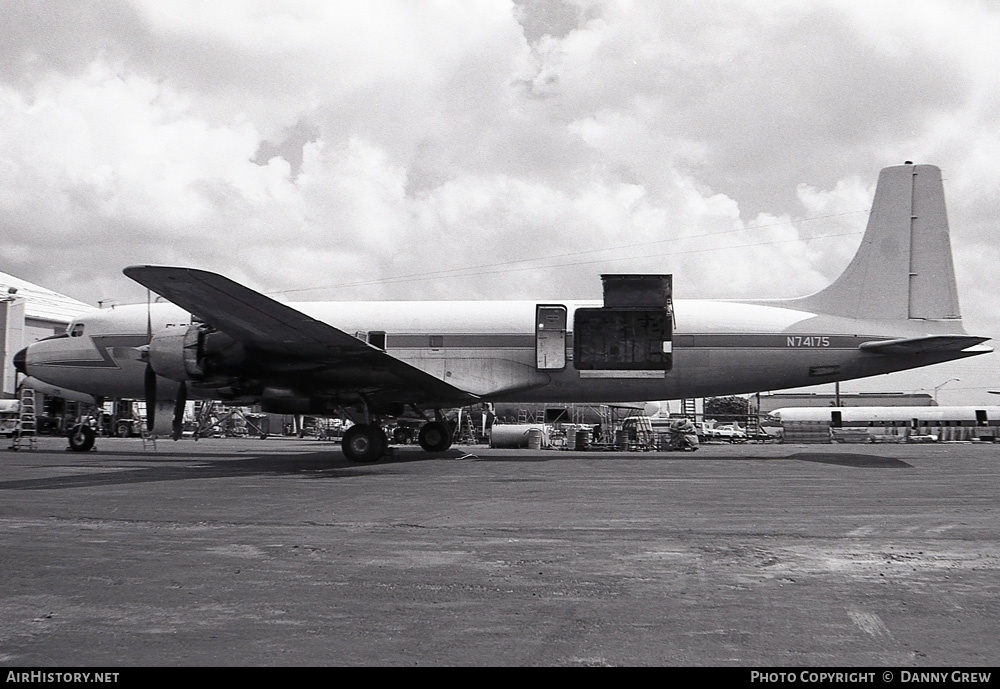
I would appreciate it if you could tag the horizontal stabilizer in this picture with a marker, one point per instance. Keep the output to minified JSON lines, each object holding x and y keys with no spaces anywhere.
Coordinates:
{"x":919,"y":345}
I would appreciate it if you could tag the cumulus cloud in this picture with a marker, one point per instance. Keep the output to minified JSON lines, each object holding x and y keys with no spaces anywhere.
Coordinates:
{"x":392,"y":149}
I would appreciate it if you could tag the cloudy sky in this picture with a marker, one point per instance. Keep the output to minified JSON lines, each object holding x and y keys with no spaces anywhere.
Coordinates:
{"x":404,"y":149}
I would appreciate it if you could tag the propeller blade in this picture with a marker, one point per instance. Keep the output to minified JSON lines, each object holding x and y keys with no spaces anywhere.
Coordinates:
{"x":149,"y":383}
{"x":179,"y":411}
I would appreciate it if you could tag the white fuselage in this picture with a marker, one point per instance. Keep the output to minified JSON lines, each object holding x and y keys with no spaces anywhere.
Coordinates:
{"x":891,"y":416}
{"x":489,"y":348}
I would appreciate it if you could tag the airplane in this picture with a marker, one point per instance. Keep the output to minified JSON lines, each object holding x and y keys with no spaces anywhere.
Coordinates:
{"x":846,"y":417}
{"x":895,"y":307}
{"x":951,"y":420}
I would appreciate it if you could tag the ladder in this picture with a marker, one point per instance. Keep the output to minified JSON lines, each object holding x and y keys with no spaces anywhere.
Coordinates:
{"x":26,"y":434}
{"x":607,"y":425}
{"x":148,"y":439}
{"x":142,"y":416}
{"x":206,"y":419}
{"x":689,"y":408}
{"x":465,"y":433}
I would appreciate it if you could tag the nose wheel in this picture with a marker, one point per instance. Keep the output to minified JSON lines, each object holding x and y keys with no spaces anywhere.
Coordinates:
{"x":81,"y":438}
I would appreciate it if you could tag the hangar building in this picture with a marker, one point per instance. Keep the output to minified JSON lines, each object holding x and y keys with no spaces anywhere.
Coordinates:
{"x":29,"y":313}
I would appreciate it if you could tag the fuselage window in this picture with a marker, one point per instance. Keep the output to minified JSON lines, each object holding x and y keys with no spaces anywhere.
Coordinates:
{"x":76,"y":330}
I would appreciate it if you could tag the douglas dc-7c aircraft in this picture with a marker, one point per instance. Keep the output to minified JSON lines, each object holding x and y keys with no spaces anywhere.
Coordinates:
{"x":895,"y":307}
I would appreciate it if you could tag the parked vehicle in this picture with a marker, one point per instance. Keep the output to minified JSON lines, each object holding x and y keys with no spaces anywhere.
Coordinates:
{"x":705,"y":431}
{"x":10,"y":417}
{"x":731,"y":433}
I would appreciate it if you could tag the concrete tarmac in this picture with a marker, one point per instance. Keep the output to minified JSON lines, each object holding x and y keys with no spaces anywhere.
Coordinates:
{"x":279,"y":552}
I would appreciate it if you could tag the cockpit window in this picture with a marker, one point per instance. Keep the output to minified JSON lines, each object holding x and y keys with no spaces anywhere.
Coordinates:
{"x":76,"y":330}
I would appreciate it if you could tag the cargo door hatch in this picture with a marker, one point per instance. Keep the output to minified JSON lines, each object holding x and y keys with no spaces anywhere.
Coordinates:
{"x":631,"y":336}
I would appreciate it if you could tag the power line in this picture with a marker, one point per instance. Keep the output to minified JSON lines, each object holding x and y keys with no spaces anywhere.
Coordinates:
{"x":509,"y":266}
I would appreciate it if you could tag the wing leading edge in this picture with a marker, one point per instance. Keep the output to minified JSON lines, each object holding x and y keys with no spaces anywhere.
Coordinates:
{"x":268,"y":326}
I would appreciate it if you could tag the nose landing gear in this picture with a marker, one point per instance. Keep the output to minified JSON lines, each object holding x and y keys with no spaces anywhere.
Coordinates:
{"x":81,"y":438}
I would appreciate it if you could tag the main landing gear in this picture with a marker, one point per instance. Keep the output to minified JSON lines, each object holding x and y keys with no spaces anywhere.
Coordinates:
{"x":434,"y":436}
{"x":367,"y":442}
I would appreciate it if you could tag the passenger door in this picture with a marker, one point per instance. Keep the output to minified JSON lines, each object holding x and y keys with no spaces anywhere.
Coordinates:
{"x":550,"y":337}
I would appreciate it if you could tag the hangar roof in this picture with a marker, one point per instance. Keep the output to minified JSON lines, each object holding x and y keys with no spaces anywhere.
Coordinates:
{"x":41,"y":303}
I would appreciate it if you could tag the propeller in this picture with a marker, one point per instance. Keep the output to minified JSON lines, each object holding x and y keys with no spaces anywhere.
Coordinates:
{"x":149,"y":381}
{"x":179,"y":403}
{"x":150,"y":384}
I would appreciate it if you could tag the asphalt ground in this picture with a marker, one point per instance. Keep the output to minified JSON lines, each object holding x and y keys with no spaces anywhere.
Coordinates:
{"x":279,"y":552}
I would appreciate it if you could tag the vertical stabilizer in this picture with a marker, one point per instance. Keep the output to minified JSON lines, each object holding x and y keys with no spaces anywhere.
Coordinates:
{"x":903,"y":268}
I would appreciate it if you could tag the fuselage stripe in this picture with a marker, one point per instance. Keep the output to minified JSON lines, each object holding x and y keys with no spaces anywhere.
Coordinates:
{"x":679,"y":341}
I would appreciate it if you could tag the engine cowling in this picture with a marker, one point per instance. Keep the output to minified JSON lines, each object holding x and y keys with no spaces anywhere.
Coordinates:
{"x":285,"y":401}
{"x":173,"y":353}
{"x":194,"y":352}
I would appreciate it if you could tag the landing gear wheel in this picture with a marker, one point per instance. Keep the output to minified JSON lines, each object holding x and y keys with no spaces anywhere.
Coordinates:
{"x":81,"y":438}
{"x":364,"y":443}
{"x":434,"y":437}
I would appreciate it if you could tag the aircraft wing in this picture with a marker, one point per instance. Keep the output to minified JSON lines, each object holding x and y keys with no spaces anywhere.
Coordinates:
{"x":918,"y":345}
{"x":266,"y":325}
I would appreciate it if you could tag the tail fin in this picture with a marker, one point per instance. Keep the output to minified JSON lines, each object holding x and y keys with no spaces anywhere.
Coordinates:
{"x":903,"y":268}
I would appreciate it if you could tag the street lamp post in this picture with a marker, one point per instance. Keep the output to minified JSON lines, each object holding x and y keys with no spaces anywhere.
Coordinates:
{"x":938,"y":387}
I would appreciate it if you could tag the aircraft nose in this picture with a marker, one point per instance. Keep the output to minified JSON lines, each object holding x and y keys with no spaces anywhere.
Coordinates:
{"x":21,"y":361}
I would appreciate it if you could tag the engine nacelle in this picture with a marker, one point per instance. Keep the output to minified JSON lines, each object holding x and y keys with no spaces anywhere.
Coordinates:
{"x":196,"y":353}
{"x":174,"y":353}
{"x":280,"y":400}
{"x":285,"y":401}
